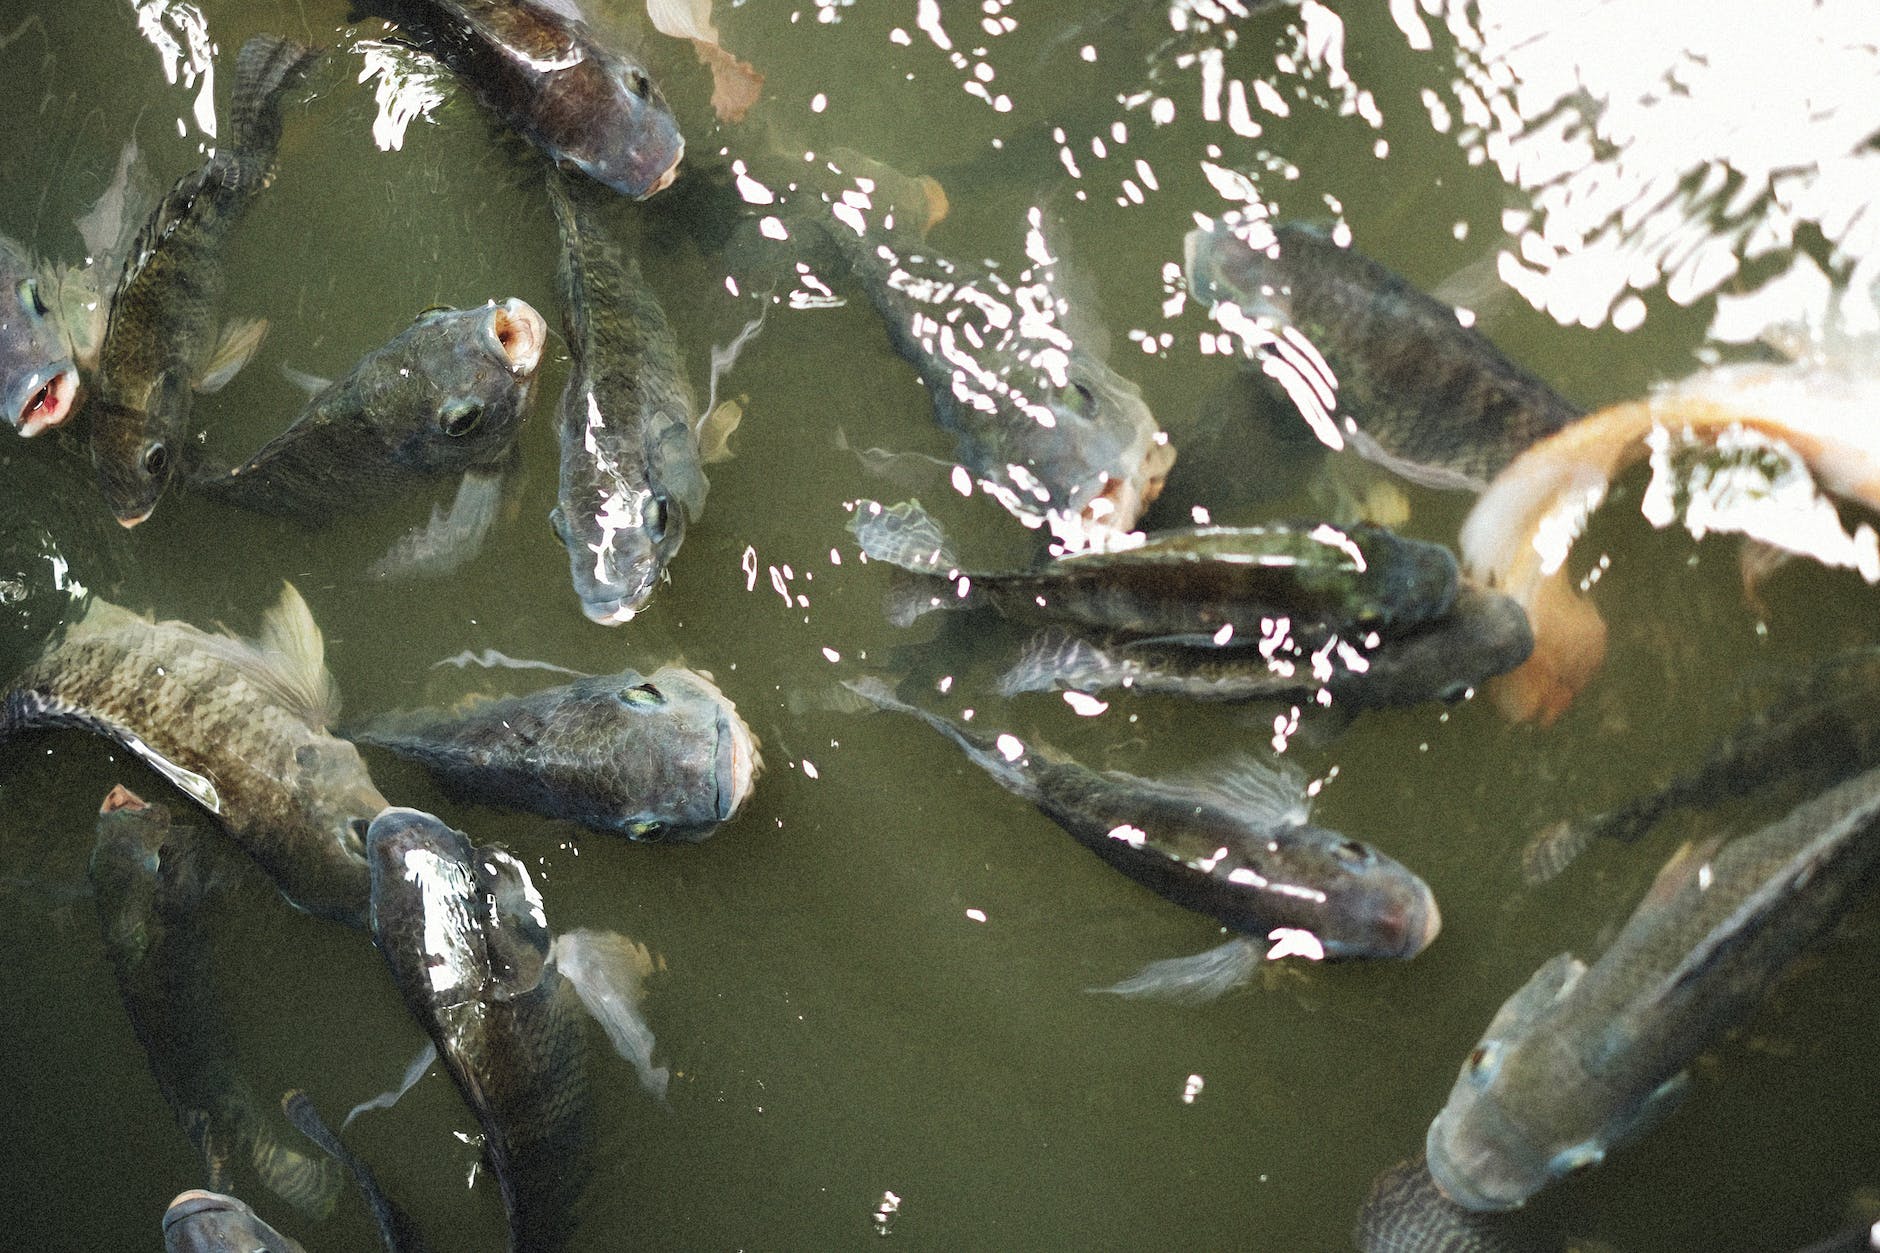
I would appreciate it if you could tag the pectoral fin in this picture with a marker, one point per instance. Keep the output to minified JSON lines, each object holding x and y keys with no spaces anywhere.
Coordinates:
{"x":240,"y":341}
{"x":1194,"y":980}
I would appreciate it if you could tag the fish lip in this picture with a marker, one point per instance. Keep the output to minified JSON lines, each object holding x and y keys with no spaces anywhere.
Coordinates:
{"x":1453,"y":1185}
{"x":127,"y":521}
{"x":1432,"y":925}
{"x":196,"y":1201}
{"x":519,"y":333}
{"x":610,"y":612}
{"x":121,"y":797}
{"x":671,"y":175}
{"x":60,"y":386}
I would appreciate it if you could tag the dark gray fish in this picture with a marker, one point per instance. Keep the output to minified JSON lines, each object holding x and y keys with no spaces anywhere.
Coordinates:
{"x":630,"y":476}
{"x":396,"y":1230}
{"x":160,"y":343}
{"x":467,"y":941}
{"x":1483,"y":634}
{"x":540,"y":67}
{"x":1235,"y":845}
{"x":210,"y":1222}
{"x":1824,"y":729}
{"x":239,"y":726}
{"x":159,"y":888}
{"x":1041,"y":422}
{"x":1417,"y":391}
{"x":1204,"y":585}
{"x":1406,"y":1213}
{"x":446,"y":396}
{"x":665,"y":756}
{"x":1583,"y":1058}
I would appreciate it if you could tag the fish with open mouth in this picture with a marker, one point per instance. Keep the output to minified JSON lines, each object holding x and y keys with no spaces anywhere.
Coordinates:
{"x":160,"y":343}
{"x":541,"y":68}
{"x":465,"y":935}
{"x":630,"y":476}
{"x":199,"y":1221}
{"x":1235,"y":845}
{"x":660,"y":756}
{"x":239,"y":726}
{"x":160,"y":886}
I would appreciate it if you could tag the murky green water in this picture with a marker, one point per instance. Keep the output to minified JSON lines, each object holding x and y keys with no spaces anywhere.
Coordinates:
{"x":876,"y":976}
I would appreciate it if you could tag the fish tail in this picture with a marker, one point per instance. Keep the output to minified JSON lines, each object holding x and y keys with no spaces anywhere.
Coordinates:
{"x":1552,"y":850}
{"x":395,"y":1227}
{"x":265,"y":68}
{"x":1193,"y":980}
{"x":1057,"y":658}
{"x":605,"y":969}
{"x":310,"y":1184}
{"x":1011,"y":770}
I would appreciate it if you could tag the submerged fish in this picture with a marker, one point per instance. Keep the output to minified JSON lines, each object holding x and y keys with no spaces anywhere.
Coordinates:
{"x":160,"y":886}
{"x":210,"y":1222}
{"x":1519,"y":535}
{"x":1405,"y":1213}
{"x":1582,"y":1058}
{"x":464,"y":933}
{"x":665,"y":756}
{"x":1201,"y":585}
{"x":239,"y":726}
{"x":1042,"y":423}
{"x":630,"y":477}
{"x":1482,"y":635}
{"x":1236,"y":846}
{"x":1419,"y":392}
{"x":545,"y":72}
{"x":160,"y":341}
{"x":1825,"y":729}
{"x":396,"y":1230}
{"x":52,"y":316}
{"x":447,"y":395}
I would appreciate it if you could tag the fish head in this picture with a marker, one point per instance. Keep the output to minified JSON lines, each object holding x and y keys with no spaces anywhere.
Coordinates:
{"x":199,"y":1221}
{"x":38,"y":378}
{"x":618,"y":552}
{"x":1403,"y":582}
{"x":424,"y":913}
{"x":453,"y":389}
{"x":131,"y":450}
{"x":1237,"y":264}
{"x":338,"y":794}
{"x":700,"y":760}
{"x":606,"y":117}
{"x":1498,"y":1139}
{"x":1374,"y":905}
{"x":125,"y":861}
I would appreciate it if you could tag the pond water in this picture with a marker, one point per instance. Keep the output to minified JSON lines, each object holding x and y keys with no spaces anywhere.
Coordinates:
{"x":874,"y":985}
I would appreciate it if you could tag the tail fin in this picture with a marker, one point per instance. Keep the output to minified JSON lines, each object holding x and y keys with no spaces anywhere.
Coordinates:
{"x":605,"y":970}
{"x":395,"y":1226}
{"x":265,"y":68}
{"x":1193,"y":980}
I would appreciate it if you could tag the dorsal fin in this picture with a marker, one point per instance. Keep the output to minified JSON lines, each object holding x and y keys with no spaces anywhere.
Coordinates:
{"x":294,"y":655}
{"x":1271,"y":792}
{"x":903,"y":535}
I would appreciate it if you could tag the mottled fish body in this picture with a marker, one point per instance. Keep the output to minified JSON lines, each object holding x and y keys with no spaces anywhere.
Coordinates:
{"x":1427,"y":396}
{"x":239,"y":726}
{"x":548,"y":75}
{"x":160,"y":342}
{"x":1582,"y":1058}
{"x":463,"y":932}
{"x":1236,"y":845}
{"x":1040,"y":421}
{"x":630,"y":474}
{"x":159,"y":887}
{"x":199,"y":1221}
{"x":446,"y":396}
{"x":1205,"y":584}
{"x":659,"y":756}
{"x":1482,"y":635}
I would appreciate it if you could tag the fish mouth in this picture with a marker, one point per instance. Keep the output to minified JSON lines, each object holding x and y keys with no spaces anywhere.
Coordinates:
{"x":739,"y":760}
{"x":1422,"y":924}
{"x":1452,"y":1183}
{"x":196,"y":1201}
{"x":121,"y":797}
{"x":50,"y":398}
{"x":127,"y":521}
{"x":1116,"y":508}
{"x":608,"y":612}
{"x":519,"y":334}
{"x":670,"y":176}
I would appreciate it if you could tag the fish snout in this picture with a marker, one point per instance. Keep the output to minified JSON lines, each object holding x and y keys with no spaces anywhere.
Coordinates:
{"x":44,"y":400}
{"x":519,"y":334}
{"x":670,"y":176}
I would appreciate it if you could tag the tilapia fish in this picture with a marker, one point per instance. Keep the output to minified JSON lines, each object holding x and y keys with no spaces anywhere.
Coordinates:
{"x":160,"y":887}
{"x":652,"y":757}
{"x":1424,"y":395}
{"x":1582,"y":1058}
{"x":1201,"y":585}
{"x":630,"y":476}
{"x":211,"y":1222}
{"x":239,"y":726}
{"x":160,"y":343}
{"x":1483,"y":634}
{"x":464,"y":933}
{"x":1405,"y":1213}
{"x":1236,"y":845}
{"x":538,"y":66}
{"x":1821,"y":731}
{"x":446,"y":396}
{"x":1041,"y":422}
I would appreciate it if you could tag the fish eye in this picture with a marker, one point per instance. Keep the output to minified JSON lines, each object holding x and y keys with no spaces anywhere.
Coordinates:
{"x":639,"y":84}
{"x":1353,"y":853}
{"x":356,"y":834}
{"x":1080,"y":398}
{"x":460,"y":417}
{"x":156,"y":460}
{"x":1482,"y":1062}
{"x":30,"y":298}
{"x":656,"y":518}
{"x":641,"y":694}
{"x":1454,"y":692}
{"x":429,"y":310}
